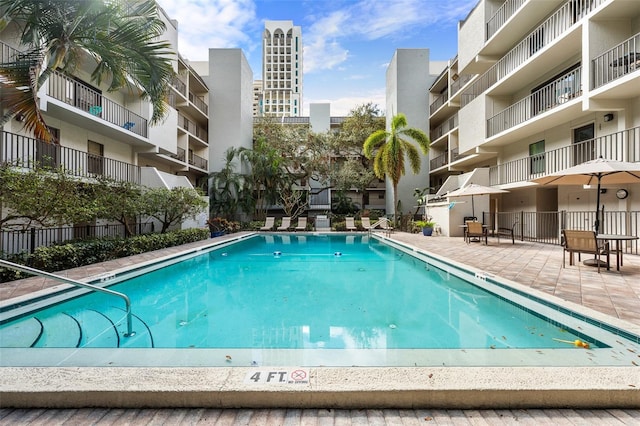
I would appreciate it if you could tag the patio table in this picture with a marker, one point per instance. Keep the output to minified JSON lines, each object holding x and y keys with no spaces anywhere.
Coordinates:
{"x":617,"y":239}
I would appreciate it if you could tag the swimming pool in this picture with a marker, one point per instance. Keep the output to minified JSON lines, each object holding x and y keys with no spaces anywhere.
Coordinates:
{"x":314,"y":300}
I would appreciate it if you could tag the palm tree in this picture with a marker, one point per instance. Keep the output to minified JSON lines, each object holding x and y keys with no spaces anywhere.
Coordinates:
{"x":120,"y":36}
{"x":391,"y":149}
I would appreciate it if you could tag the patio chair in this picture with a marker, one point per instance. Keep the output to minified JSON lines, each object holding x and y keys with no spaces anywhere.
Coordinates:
{"x":285,"y":225}
{"x":476,"y":230}
{"x":268,"y":224}
{"x":578,"y":241}
{"x":302,"y":224}
{"x":507,"y":232}
{"x":366,"y":223}
{"x":350,"y":224}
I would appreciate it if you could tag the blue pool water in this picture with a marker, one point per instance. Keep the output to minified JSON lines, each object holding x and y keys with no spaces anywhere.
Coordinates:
{"x":295,"y":292}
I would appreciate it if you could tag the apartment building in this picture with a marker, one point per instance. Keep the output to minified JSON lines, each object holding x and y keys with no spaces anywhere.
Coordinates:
{"x":282,"y":70}
{"x":537,"y":87}
{"x":107,"y":133}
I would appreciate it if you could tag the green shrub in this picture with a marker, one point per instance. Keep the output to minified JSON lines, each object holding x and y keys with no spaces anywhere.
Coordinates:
{"x":86,"y":252}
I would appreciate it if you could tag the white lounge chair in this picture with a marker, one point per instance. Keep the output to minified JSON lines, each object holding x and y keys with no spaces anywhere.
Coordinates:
{"x":350,"y":224}
{"x":268,"y":224}
{"x":366,"y":223}
{"x":302,"y":224}
{"x":286,"y":224}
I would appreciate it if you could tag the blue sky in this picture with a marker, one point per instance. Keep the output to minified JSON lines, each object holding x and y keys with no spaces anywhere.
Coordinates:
{"x":347,"y":43}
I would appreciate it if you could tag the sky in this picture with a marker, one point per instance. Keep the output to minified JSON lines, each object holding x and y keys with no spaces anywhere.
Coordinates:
{"x":348,"y":44}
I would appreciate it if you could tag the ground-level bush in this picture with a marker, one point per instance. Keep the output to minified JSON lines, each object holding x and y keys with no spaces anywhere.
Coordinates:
{"x":80,"y":253}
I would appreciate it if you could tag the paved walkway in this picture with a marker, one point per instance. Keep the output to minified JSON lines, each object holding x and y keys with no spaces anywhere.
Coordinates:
{"x":539,"y":266}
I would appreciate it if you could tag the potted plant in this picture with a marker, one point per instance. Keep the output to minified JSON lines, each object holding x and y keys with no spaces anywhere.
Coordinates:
{"x":426,"y":225}
{"x":216,"y":226}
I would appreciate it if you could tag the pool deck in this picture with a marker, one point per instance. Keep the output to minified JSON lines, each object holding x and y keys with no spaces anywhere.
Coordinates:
{"x":497,"y":395}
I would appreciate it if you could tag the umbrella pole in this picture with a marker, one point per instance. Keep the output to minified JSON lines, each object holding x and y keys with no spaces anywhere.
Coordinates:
{"x":597,"y":223}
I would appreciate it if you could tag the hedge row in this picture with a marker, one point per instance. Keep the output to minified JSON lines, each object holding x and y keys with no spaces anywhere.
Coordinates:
{"x":86,"y":252}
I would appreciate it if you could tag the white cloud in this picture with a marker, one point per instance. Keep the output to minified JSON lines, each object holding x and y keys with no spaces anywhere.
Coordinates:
{"x":204,"y":24}
{"x":372,"y":20}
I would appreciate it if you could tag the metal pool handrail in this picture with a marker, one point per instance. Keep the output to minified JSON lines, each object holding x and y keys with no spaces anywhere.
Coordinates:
{"x":127,"y":302}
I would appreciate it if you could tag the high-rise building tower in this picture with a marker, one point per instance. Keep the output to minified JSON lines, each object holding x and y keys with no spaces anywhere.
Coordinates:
{"x":282,"y":69}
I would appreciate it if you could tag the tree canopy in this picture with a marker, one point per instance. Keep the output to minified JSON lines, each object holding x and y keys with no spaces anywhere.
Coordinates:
{"x":120,"y":38}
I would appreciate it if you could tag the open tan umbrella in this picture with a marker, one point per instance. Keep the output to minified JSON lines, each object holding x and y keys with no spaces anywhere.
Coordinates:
{"x":599,"y":171}
{"x":475,"y":189}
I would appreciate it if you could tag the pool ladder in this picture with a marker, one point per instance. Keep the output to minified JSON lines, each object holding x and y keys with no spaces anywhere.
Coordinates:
{"x":33,"y":271}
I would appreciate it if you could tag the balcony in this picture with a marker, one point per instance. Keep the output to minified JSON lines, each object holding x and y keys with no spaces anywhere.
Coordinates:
{"x":550,"y":96}
{"x":620,"y":146}
{"x":617,"y":62}
{"x":193,"y":128}
{"x":444,"y":128}
{"x":551,"y":29}
{"x":502,"y":15}
{"x":179,"y":85}
{"x":31,"y":153}
{"x":439,"y":101}
{"x":75,"y":93}
{"x":198,"y":161}
{"x":438,"y":161}
{"x":198,"y":101}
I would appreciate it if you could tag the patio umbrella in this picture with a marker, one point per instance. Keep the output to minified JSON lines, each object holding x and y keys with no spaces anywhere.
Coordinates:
{"x":599,"y":171}
{"x":474,"y":189}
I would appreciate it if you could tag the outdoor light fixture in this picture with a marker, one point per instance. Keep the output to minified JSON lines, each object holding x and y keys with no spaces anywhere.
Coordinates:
{"x":608,"y":117}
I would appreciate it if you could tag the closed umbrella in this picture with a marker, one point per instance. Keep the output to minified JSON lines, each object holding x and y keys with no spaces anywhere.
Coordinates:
{"x":600,"y":171}
{"x":475,"y":189}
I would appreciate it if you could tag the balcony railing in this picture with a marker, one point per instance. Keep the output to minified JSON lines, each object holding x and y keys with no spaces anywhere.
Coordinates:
{"x":198,"y":161}
{"x":179,"y":85}
{"x":180,"y":154}
{"x":550,"y":96}
{"x":440,"y":100}
{"x":74,"y":93}
{"x":552,"y":28}
{"x":438,"y":161}
{"x":443,"y":128}
{"x":199,"y":103}
{"x":502,"y":15}
{"x":7,"y":53}
{"x":461,"y":81}
{"x":31,"y":153}
{"x":617,"y":62}
{"x":620,"y":146}
{"x":193,"y":128}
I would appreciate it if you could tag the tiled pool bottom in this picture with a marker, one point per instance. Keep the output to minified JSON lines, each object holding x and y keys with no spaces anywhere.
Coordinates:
{"x":620,"y":349}
{"x":229,"y":384}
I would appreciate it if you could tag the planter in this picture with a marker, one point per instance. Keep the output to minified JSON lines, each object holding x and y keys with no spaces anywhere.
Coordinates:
{"x":216,"y":234}
{"x":427,"y":232}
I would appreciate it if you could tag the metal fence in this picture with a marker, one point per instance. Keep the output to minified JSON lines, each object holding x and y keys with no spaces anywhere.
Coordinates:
{"x":546,"y":227}
{"x":26,"y":241}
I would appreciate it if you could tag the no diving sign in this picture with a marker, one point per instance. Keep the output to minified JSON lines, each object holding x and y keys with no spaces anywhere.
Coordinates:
{"x":296,"y":376}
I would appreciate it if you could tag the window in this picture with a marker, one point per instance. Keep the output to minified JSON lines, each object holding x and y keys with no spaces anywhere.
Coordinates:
{"x":583,"y":144}
{"x":48,"y":154}
{"x":95,"y":158}
{"x":536,"y":158}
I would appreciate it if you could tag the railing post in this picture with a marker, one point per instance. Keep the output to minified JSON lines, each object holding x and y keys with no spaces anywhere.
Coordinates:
{"x":521,"y":225}
{"x":32,"y":240}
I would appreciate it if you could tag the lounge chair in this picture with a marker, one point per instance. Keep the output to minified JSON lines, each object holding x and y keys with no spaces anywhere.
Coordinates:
{"x":286,"y":224}
{"x":302,"y":224}
{"x":476,"y":230}
{"x":350,"y":224}
{"x":268,"y":224}
{"x":366,"y":223}
{"x":577,"y":241}
{"x":323,"y":223}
